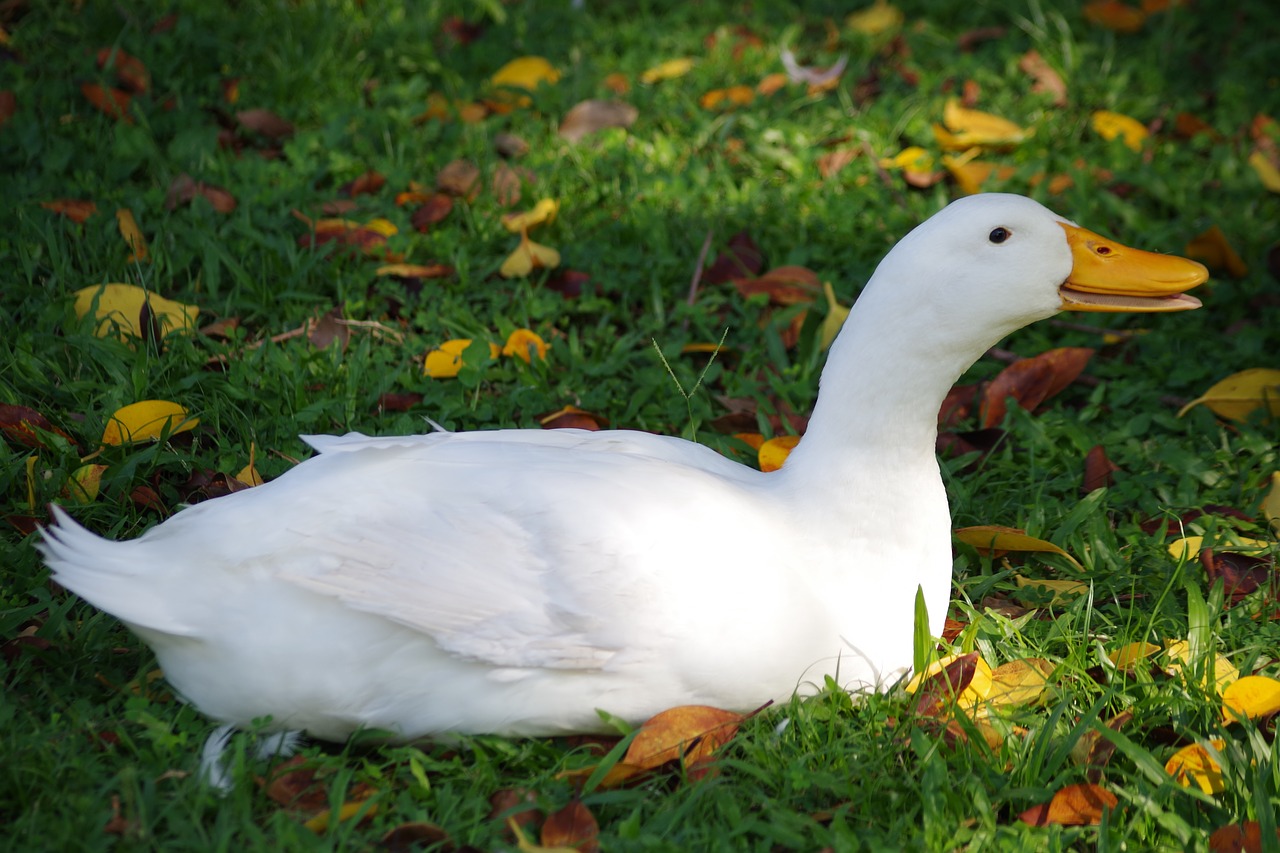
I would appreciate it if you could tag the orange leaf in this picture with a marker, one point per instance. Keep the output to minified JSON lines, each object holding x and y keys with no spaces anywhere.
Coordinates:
{"x":369,"y":182}
{"x":734,"y":96}
{"x":110,"y":102}
{"x":1031,"y":381}
{"x":617,"y":83}
{"x":1194,"y":766}
{"x":686,"y":732}
{"x":1073,"y":805}
{"x":1238,"y":838}
{"x":774,"y":452}
{"x":789,"y":285}
{"x":130,"y":71}
{"x":1047,"y":80}
{"x":1213,"y":248}
{"x":771,"y":83}
{"x":132,"y":234}
{"x":1110,"y":125}
{"x":523,"y":344}
{"x":77,"y":210}
{"x":1114,"y":16}
{"x":571,"y":417}
{"x":572,"y":827}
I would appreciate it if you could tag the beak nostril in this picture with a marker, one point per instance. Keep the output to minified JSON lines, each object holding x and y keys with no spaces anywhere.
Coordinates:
{"x":1103,"y":250}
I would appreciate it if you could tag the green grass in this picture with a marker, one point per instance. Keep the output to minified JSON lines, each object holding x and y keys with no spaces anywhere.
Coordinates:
{"x":77,"y":726}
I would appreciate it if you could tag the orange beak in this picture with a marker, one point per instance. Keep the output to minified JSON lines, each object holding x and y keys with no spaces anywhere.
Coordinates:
{"x":1109,"y":276}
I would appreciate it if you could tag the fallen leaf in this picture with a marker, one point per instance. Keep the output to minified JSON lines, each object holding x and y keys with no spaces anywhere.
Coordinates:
{"x":1218,"y":672}
{"x":831,"y":162}
{"x":572,"y":827}
{"x":524,"y":344}
{"x":686,"y":733}
{"x":506,"y":185}
{"x":434,"y":209}
{"x":321,"y":822}
{"x":130,"y":71}
{"x":1266,"y":171}
{"x":877,"y":18}
{"x":834,"y":321}
{"x":668,"y":70}
{"x":1031,"y":381}
{"x":132,"y":235}
{"x":369,"y":182}
{"x":1193,"y":765}
{"x":526,"y":72}
{"x":773,"y":453}
{"x":771,"y":83}
{"x":415,"y":836}
{"x":1212,"y":248}
{"x":1074,"y":805}
{"x":184,"y":188}
{"x":1094,"y":751}
{"x":1115,"y":16}
{"x":8,"y":106}
{"x":962,"y":680}
{"x":1250,"y":697}
{"x":1063,"y":590}
{"x":77,"y":210}
{"x":970,"y":174}
{"x":1097,"y":470}
{"x":415,"y":271}
{"x":1244,"y":837}
{"x":966,"y":128}
{"x":509,"y":145}
{"x":592,"y":116}
{"x":993,"y":540}
{"x":110,"y":102}
{"x":459,"y":178}
{"x":118,"y":308}
{"x":329,"y":328}
{"x":527,"y":257}
{"x":1271,"y":502}
{"x":734,"y":96}
{"x":1047,"y":80}
{"x":249,"y":473}
{"x":265,"y":123}
{"x":84,"y":484}
{"x":542,"y":213}
{"x":1111,"y":125}
{"x":1241,"y":394}
{"x":789,"y":285}
{"x":445,"y":361}
{"x":1127,"y":657}
{"x":1018,"y":682}
{"x":571,"y":417}
{"x":23,"y":425}
{"x":147,"y":420}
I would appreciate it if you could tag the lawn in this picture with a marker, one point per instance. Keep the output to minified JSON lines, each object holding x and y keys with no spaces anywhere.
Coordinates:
{"x":326,"y":183}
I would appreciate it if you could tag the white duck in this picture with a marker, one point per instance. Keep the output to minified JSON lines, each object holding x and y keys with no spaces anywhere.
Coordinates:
{"x":514,"y":581}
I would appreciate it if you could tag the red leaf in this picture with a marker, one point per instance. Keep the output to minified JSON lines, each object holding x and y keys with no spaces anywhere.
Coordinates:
{"x":790,"y":285}
{"x":937,"y":692}
{"x":110,"y":102}
{"x":369,"y":182}
{"x":1241,"y":574}
{"x":130,"y":71}
{"x":1097,"y":469}
{"x":398,"y":401}
{"x":8,"y":106}
{"x":19,"y":424}
{"x":740,"y":259}
{"x":1245,"y":837}
{"x":436,"y":208}
{"x":1031,"y":381}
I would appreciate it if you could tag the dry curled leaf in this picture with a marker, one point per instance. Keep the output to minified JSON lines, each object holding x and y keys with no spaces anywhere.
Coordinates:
{"x":1031,"y":381}
{"x":264,"y":122}
{"x":591,"y":116}
{"x":459,"y":178}
{"x":687,"y":733}
{"x":1074,"y":805}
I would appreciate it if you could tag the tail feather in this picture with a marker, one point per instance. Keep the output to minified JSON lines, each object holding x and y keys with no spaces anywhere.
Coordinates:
{"x":112,"y":576}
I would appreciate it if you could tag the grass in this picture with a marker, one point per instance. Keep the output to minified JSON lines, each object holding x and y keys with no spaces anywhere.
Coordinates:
{"x":82,"y":721}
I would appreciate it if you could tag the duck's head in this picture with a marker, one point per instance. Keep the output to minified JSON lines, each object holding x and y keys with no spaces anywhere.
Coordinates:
{"x":1003,"y":261}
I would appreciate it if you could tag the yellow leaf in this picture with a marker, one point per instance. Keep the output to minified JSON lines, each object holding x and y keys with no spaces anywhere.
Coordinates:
{"x":527,"y":257}
{"x":525,"y":73}
{"x":521,"y":341}
{"x":1241,"y":394}
{"x":132,"y":235}
{"x":1110,"y":125}
{"x":1271,"y":503}
{"x":249,"y":474}
{"x":668,"y":70}
{"x":1019,"y":682}
{"x":445,"y":361}
{"x":966,"y":128}
{"x":1063,"y":591}
{"x":912,"y":159}
{"x":320,"y":823}
{"x":1193,"y":765}
{"x":85,"y":483}
{"x":1189,"y":547}
{"x":990,"y":538}
{"x":385,"y":227}
{"x":1127,"y":657}
{"x":978,"y":690}
{"x":836,"y":315}
{"x":775,"y":451}
{"x":149,"y":419}
{"x":1250,"y":697}
{"x":543,"y":212}
{"x":1267,"y":171}
{"x":1223,"y":672}
{"x":971,"y":174}
{"x":120,"y":310}
{"x":1214,"y":250}
{"x":875,"y":19}
{"x":31,"y":480}
{"x":685,"y":733}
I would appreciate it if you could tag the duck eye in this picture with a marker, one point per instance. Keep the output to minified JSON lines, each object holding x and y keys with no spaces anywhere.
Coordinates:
{"x":998,"y":235}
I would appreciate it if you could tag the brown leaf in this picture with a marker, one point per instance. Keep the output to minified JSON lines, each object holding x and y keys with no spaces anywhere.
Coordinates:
{"x":184,"y":188}
{"x":1094,"y":751}
{"x":741,"y":258}
{"x":398,"y":401}
{"x":8,"y":106}
{"x":957,"y":405}
{"x":369,"y":182}
{"x":1241,"y":574}
{"x":1047,"y":80}
{"x":1097,"y":469}
{"x":970,"y":39}
{"x":592,"y":115}
{"x":790,"y":285}
{"x":518,"y":805}
{"x":572,"y":826}
{"x":110,"y":102}
{"x":19,"y":424}
{"x":833,"y":161}
{"x":433,"y":210}
{"x":937,"y":693}
{"x":296,"y":786}
{"x":506,"y":185}
{"x":1074,"y":805}
{"x":118,"y":825}
{"x":1243,"y":837}
{"x":459,"y":178}
{"x":684,"y":733}
{"x":415,"y":835}
{"x":265,"y":122}
{"x":510,"y":146}
{"x":329,"y":328}
{"x":571,"y":417}
{"x":130,"y":71}
{"x":1031,"y":381}
{"x":952,"y":628}
{"x":568,"y":283}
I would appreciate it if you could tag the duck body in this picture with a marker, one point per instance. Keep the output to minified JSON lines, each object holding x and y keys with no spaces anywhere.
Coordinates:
{"x":515,"y":581}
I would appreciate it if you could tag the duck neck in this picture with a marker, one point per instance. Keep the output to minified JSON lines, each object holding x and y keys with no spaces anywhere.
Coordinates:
{"x":886,"y":376}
